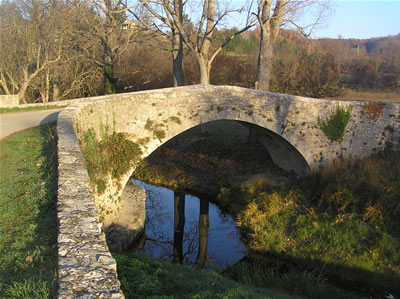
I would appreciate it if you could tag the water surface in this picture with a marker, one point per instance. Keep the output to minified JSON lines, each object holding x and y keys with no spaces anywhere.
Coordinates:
{"x":185,"y":229}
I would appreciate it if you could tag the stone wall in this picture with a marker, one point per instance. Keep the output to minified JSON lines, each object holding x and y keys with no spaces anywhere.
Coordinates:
{"x":9,"y":101}
{"x":150,"y":118}
{"x":86,"y":268}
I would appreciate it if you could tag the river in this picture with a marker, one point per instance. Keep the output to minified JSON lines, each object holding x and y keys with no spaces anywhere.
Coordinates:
{"x":185,"y":229}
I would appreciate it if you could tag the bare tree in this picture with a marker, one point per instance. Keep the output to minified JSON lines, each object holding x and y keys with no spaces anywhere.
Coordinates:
{"x":272,"y":15}
{"x":161,"y":14}
{"x":199,"y":39}
{"x":32,"y":41}
{"x":40,"y":52}
{"x":109,"y":34}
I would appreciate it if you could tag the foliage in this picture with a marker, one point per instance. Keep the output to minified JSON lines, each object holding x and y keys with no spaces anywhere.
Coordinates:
{"x":112,"y":156}
{"x":334,"y":127}
{"x":315,"y":75}
{"x":309,"y":284}
{"x":145,"y":277}
{"x":28,"y":193}
{"x":66,"y":50}
{"x":344,"y":219}
{"x":374,"y":110}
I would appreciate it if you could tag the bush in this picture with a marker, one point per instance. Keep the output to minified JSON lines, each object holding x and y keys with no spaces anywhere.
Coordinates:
{"x":114,"y":155}
{"x":334,"y":127}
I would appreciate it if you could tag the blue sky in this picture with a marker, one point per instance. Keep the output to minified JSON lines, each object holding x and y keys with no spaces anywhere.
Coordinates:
{"x":362,"y":19}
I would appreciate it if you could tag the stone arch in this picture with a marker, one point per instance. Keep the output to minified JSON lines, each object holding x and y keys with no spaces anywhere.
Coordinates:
{"x":229,"y":131}
{"x":82,"y":246}
{"x":282,"y":152}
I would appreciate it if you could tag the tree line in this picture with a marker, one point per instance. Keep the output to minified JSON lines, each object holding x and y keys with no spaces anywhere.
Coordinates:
{"x":60,"y":49}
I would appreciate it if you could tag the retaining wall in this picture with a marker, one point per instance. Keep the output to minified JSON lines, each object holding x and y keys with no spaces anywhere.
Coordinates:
{"x":8,"y":101}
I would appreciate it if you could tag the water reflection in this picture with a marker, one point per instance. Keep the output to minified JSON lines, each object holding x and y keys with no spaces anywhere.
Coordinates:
{"x":185,"y":229}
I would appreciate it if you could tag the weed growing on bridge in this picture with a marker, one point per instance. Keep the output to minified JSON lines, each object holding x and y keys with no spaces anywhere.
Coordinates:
{"x":112,"y":156}
{"x":155,"y":129}
{"x":175,"y":119}
{"x":335,"y":126}
{"x":28,"y":222}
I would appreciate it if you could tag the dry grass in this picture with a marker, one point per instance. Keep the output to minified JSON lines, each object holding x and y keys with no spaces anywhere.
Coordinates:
{"x":375,"y":96}
{"x":344,"y":219}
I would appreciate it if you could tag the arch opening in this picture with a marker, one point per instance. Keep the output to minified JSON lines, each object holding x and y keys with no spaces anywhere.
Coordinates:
{"x":243,"y":150}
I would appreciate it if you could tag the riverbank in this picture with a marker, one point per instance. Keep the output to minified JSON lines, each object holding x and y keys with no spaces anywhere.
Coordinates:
{"x":344,"y":220}
{"x":335,"y":233}
{"x":28,"y":234}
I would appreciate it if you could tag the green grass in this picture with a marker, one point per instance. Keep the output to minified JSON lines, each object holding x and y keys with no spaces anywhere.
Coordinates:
{"x":344,"y":220}
{"x":143,"y":277}
{"x":30,"y":108}
{"x":28,"y":234}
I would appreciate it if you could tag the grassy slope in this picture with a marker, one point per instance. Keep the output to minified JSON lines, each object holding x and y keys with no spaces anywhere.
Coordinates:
{"x":28,"y":235}
{"x":344,"y":220}
{"x":335,"y":233}
{"x":143,"y":277}
{"x":28,"y":182}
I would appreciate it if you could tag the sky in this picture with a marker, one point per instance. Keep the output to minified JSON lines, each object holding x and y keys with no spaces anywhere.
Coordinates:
{"x":358,"y":19}
{"x":362,"y":19}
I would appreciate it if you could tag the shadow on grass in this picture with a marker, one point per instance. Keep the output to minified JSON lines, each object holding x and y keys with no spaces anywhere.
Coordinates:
{"x":340,"y":228}
{"x":312,"y":278}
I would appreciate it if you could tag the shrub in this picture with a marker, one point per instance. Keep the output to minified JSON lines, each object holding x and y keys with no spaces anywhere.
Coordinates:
{"x":113,"y":155}
{"x":334,"y":127}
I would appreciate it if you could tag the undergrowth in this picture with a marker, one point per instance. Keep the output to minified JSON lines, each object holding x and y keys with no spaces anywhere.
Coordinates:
{"x":28,"y":234}
{"x":344,"y":220}
{"x":144,"y":277}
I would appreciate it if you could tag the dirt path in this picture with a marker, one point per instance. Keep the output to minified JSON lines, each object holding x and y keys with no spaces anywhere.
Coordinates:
{"x":14,"y":122}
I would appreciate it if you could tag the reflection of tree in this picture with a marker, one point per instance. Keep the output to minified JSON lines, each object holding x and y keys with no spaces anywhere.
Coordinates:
{"x":188,"y":242}
{"x":204,"y":224}
{"x":179,"y":226}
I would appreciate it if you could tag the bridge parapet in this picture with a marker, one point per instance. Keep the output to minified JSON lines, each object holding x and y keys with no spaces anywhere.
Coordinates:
{"x":151,"y":118}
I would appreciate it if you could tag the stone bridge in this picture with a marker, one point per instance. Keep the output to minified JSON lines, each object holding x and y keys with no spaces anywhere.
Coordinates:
{"x":286,"y":125}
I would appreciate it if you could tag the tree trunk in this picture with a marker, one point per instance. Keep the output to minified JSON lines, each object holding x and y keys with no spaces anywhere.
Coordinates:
{"x":204,"y":71}
{"x":204,"y":224}
{"x":46,"y":95}
{"x":24,"y":87}
{"x":56,"y":91}
{"x":177,"y":59}
{"x":204,"y":47}
{"x":109,"y":80}
{"x":179,"y":225}
{"x":3,"y":83}
{"x":264,"y":64}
